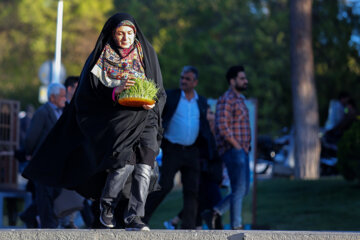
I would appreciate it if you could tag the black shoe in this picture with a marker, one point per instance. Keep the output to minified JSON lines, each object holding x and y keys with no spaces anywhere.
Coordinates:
{"x":30,"y":222}
{"x":218,"y":223}
{"x":107,"y":215}
{"x":212,"y":219}
{"x":137,"y":225}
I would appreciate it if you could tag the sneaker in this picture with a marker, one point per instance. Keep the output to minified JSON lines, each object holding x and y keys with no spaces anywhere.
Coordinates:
{"x":107,"y":215}
{"x":169,"y":225}
{"x":238,"y":228}
{"x":137,"y":225}
{"x":212,"y":219}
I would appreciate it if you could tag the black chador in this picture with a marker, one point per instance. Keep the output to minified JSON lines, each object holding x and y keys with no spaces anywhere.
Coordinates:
{"x":95,"y":135}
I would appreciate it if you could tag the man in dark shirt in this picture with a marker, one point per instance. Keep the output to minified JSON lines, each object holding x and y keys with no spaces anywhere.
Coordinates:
{"x":42,"y":122}
{"x":71,"y":83}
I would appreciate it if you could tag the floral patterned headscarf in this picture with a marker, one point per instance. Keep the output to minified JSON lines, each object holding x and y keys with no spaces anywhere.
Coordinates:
{"x":111,"y":67}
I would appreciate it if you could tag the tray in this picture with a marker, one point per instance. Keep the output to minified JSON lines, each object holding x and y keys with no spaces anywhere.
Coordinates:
{"x":135,"y":102}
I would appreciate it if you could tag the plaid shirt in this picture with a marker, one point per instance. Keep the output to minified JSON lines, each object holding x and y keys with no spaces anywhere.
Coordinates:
{"x":232,"y":120}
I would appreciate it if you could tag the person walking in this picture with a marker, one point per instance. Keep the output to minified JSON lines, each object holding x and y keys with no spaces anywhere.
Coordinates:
{"x":100,"y":144}
{"x":233,"y":135}
{"x":187,"y":135}
{"x":42,"y":122}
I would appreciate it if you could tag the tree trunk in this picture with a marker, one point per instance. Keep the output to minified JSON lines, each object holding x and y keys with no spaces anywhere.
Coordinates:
{"x":306,"y":116}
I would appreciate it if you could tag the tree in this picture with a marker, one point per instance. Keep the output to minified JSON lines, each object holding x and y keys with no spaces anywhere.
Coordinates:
{"x":211,"y":35}
{"x":336,"y":56}
{"x":305,"y":108}
{"x":27,"y":33}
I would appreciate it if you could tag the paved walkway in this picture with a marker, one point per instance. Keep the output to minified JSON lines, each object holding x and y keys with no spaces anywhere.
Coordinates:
{"x":61,"y":234}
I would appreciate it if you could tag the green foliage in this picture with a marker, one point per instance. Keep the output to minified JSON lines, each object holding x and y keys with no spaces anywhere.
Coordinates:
{"x":27,"y":39}
{"x":209,"y":34}
{"x":145,"y":89}
{"x":349,"y":153}
{"x":214,"y":35}
{"x":336,"y":58}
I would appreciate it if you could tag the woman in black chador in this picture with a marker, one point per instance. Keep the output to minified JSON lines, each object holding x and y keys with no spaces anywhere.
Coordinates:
{"x":97,"y":143}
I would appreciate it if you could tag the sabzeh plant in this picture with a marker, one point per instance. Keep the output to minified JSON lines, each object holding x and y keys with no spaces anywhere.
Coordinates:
{"x":143,"y":90}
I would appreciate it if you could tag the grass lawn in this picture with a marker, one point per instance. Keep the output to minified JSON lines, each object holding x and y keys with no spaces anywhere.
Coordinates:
{"x":283,"y":204}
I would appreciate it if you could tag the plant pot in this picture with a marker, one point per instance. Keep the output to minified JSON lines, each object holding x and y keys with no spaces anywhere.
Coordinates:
{"x":135,"y":101}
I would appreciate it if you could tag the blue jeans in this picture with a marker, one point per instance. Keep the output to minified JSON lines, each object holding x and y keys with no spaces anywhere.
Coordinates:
{"x":237,"y":164}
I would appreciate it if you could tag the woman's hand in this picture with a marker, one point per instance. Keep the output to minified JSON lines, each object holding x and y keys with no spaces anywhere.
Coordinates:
{"x":126,"y":84}
{"x":148,"y":107}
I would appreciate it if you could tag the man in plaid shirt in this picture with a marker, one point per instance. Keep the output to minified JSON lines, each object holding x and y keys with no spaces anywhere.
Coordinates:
{"x":232,"y":131}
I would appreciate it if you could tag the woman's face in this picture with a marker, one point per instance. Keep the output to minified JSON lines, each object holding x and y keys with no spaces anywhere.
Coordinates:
{"x":124,"y":36}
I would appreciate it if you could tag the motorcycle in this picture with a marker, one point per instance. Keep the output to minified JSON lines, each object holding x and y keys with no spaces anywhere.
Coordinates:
{"x":265,"y":154}
{"x":280,"y":152}
{"x":272,"y":152}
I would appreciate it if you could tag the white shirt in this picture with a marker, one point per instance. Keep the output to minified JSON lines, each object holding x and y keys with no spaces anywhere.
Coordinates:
{"x":185,"y":124}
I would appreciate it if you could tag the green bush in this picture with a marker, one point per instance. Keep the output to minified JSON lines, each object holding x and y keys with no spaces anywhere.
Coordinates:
{"x":349,"y":153}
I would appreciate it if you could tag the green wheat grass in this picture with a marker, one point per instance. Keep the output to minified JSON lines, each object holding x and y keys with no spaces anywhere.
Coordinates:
{"x":145,"y":89}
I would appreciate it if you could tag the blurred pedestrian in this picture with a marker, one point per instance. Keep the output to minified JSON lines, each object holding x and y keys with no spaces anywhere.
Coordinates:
{"x":71,"y":83}
{"x":336,"y":110}
{"x":186,"y":135}
{"x":333,"y":135}
{"x":68,"y":202}
{"x":233,"y":135}
{"x":209,"y":184}
{"x":41,"y":124}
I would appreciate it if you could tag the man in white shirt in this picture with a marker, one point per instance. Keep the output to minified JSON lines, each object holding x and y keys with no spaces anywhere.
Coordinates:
{"x":185,"y":130}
